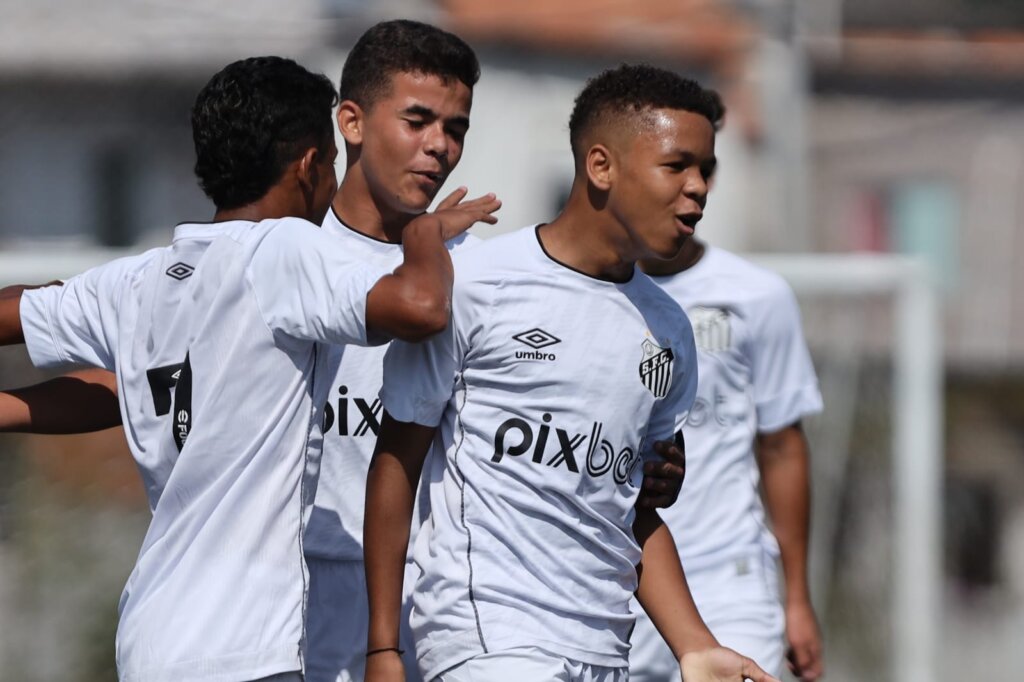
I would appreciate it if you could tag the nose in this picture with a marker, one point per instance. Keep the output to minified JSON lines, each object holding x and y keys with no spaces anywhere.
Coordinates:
{"x":696,"y":187}
{"x":435,"y":142}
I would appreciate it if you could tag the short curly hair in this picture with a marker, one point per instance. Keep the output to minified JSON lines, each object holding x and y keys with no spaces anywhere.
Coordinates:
{"x":253,"y":118}
{"x":404,"y":46}
{"x":635,"y":88}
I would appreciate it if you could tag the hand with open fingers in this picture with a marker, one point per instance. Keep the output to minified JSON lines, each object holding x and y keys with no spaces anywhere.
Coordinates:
{"x":663,"y":480}
{"x":804,"y":654}
{"x":385,"y":666}
{"x":719,"y":664}
{"x":458,"y":214}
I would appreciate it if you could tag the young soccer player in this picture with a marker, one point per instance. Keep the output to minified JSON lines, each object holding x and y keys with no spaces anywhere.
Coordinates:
{"x":561,"y":366}
{"x":220,"y":373}
{"x":756,"y":383}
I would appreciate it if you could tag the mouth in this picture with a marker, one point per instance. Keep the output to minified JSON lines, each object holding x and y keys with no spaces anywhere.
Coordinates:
{"x":435,"y":179}
{"x":687,"y":222}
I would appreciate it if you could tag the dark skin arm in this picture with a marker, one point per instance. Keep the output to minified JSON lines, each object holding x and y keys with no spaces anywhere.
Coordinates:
{"x":79,"y":402}
{"x":783,"y":457}
{"x":390,"y":492}
{"x":665,"y":596}
{"x":414,"y":302}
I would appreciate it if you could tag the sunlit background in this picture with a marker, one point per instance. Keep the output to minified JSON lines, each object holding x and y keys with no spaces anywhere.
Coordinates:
{"x":873,"y":153}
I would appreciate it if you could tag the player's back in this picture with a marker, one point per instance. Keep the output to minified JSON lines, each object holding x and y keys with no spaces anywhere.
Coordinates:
{"x":214,"y":344}
{"x":220,"y":582}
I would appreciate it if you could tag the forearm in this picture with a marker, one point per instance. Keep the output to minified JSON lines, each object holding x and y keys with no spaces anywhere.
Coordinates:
{"x":390,"y":493}
{"x":80,"y":402}
{"x":414,"y":302}
{"x":785,"y":473}
{"x":663,"y":591}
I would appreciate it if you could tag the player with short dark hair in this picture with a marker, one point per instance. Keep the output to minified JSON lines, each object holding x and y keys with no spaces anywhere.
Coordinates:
{"x":216,"y":342}
{"x":562,"y":366}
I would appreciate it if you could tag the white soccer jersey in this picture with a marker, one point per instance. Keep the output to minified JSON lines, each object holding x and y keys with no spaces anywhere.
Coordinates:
{"x":352,"y":415}
{"x":548,"y":386}
{"x":756,"y":377}
{"x":227,"y":435}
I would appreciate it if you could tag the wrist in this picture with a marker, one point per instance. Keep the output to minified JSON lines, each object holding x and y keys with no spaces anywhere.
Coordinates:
{"x":423,"y":226}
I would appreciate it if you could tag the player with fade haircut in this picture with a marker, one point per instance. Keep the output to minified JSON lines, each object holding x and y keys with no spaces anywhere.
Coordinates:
{"x":216,"y":342}
{"x":756,"y":384}
{"x":563,"y":367}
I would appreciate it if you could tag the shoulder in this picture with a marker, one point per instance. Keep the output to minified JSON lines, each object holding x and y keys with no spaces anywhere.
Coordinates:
{"x":751,"y":283}
{"x":495,"y":257}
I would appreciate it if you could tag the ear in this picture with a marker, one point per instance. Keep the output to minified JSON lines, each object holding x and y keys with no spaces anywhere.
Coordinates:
{"x":306,"y":171}
{"x":600,"y":167}
{"x":350,"y":122}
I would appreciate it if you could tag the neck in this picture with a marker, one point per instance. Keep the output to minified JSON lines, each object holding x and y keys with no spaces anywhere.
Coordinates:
{"x":586,"y":237}
{"x":356,"y":206}
{"x":691,"y":253}
{"x":268,"y":207}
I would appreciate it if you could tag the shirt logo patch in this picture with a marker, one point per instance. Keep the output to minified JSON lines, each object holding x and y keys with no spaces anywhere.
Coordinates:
{"x":712,"y":330}
{"x":656,"y":368}
{"x":180,"y":271}
{"x":537,"y":338}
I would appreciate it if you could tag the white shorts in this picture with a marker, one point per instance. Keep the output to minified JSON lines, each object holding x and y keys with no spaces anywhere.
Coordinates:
{"x":283,"y":677}
{"x":529,"y":664}
{"x":739,"y":601}
{"x":337,"y":619}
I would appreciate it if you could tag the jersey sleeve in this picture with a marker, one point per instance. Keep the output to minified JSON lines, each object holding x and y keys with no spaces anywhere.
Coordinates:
{"x":785,"y":385}
{"x":76,"y":323}
{"x":420,"y":378}
{"x":308,"y":287}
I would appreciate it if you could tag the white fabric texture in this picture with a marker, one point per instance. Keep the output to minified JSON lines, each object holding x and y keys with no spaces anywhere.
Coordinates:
{"x":352,"y":415}
{"x":529,"y":663}
{"x":549,"y":387}
{"x":213,"y":340}
{"x":756,"y":377}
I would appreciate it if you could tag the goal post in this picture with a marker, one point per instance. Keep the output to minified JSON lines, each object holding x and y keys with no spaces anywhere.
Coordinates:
{"x":915,"y":350}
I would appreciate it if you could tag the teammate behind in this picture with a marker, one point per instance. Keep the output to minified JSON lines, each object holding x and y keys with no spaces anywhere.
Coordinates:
{"x":215,"y":344}
{"x":756,"y":383}
{"x":562,"y":365}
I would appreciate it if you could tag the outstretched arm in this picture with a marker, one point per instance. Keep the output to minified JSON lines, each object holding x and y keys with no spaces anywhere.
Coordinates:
{"x":666,"y":598}
{"x":783,"y":457}
{"x":390,"y":493}
{"x":414,"y":301}
{"x":79,"y":402}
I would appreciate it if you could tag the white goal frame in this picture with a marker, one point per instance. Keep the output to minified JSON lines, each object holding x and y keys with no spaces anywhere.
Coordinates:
{"x":917,"y":438}
{"x":917,"y":415}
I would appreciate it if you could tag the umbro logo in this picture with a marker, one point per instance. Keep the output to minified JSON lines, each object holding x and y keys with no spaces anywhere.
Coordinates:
{"x":180,"y":271}
{"x":536,"y":339}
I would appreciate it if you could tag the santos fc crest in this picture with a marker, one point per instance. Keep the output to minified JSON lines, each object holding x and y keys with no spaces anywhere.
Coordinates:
{"x":656,"y":368}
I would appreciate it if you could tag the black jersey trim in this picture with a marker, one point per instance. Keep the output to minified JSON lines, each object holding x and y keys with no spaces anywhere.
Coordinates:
{"x":536,"y":233}
{"x":361,"y":234}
